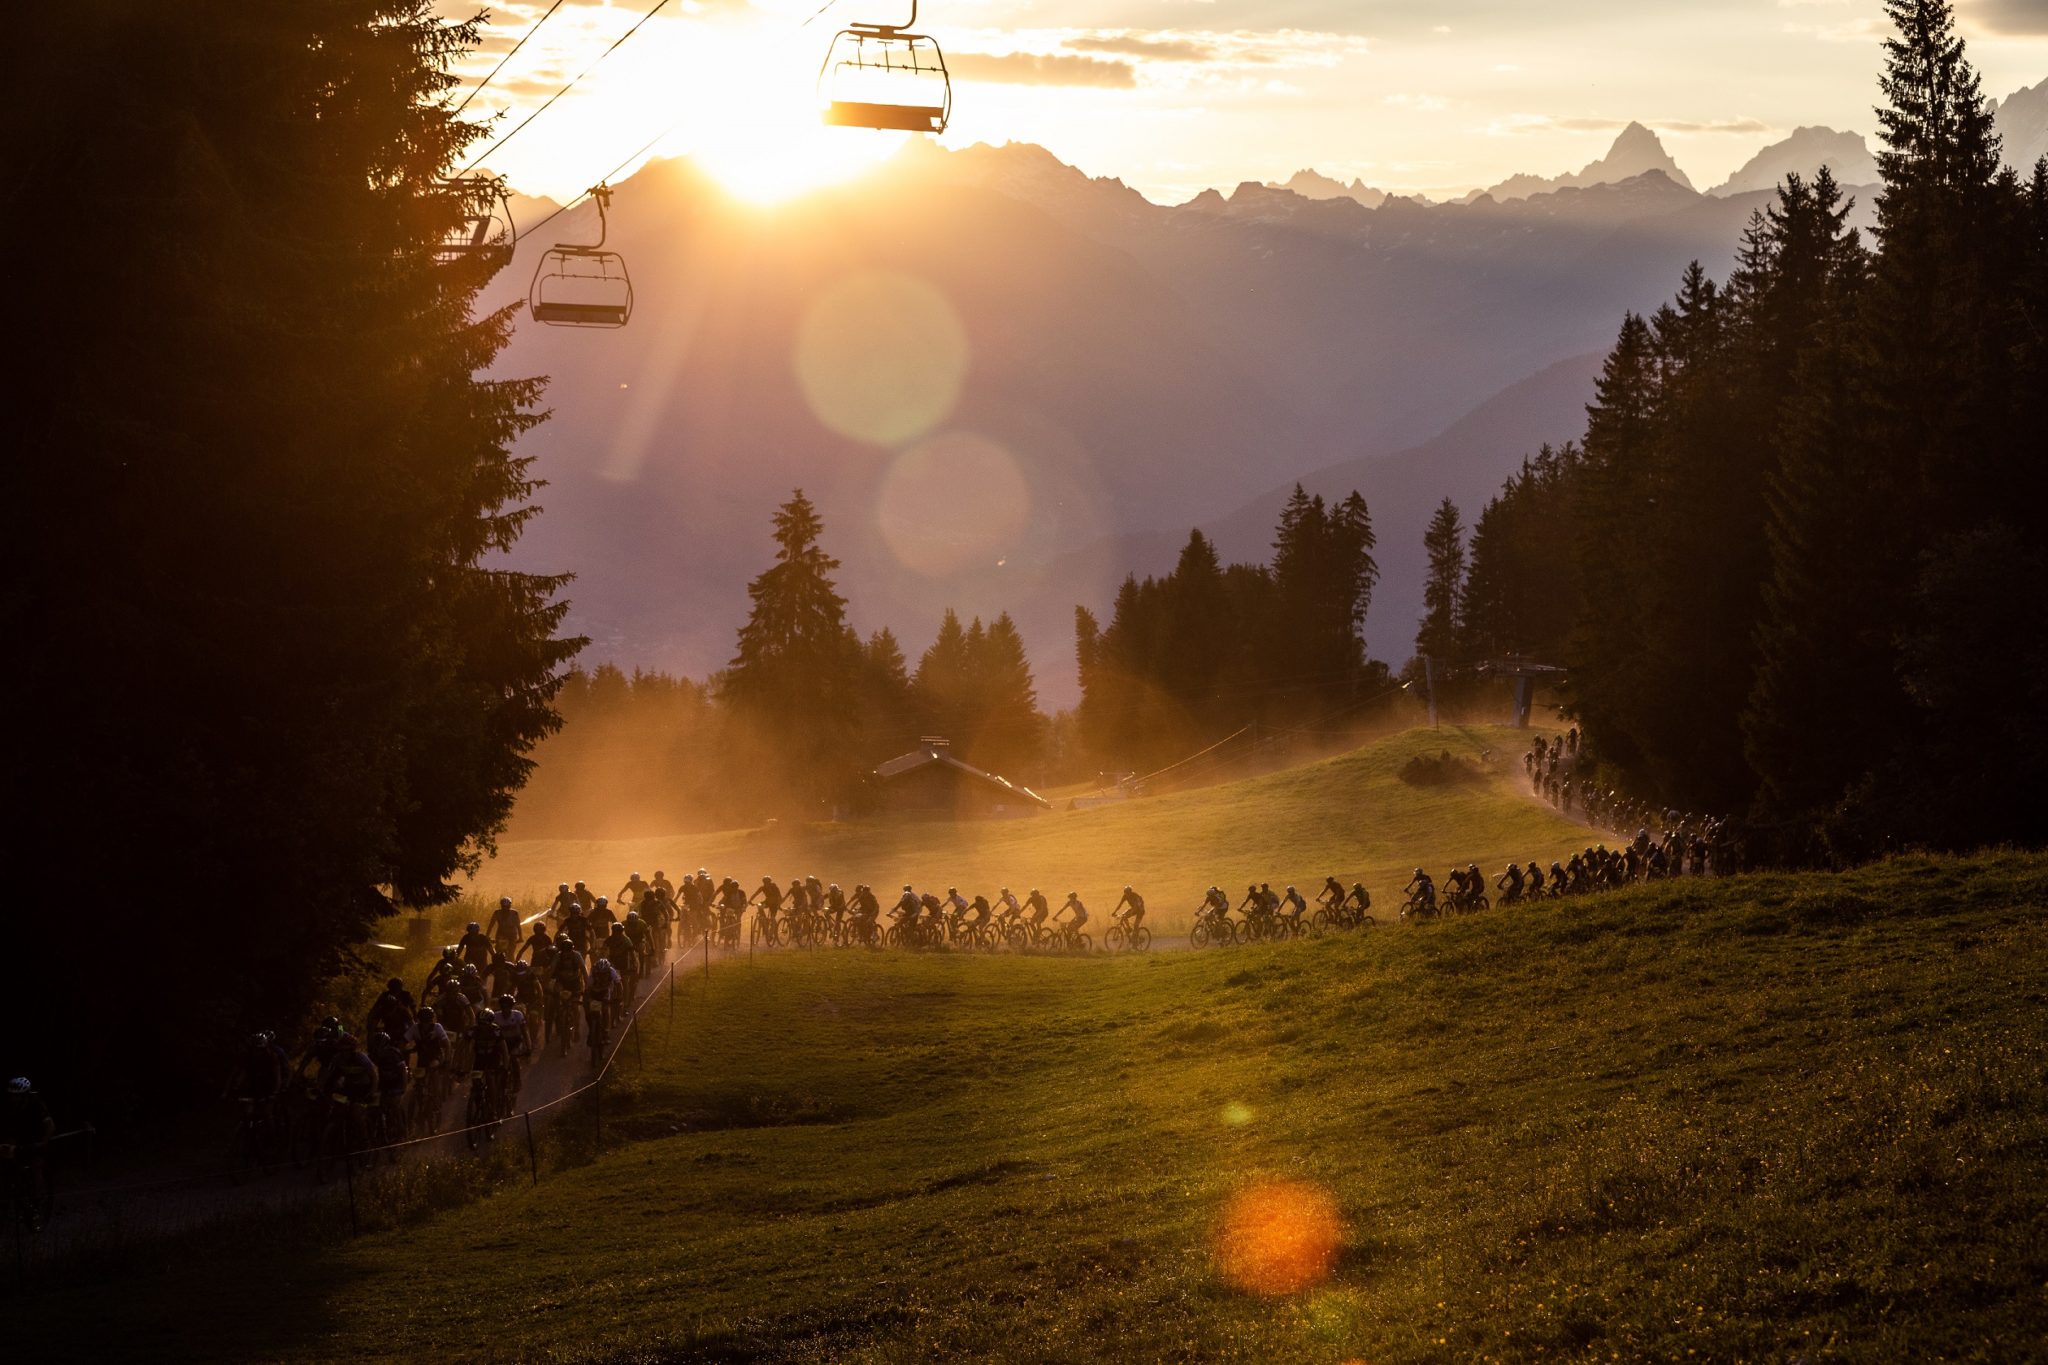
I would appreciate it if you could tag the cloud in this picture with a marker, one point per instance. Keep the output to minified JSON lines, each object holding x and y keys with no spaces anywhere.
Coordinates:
{"x":1546,"y":123}
{"x":1424,"y":104}
{"x":1036,"y":68}
{"x":1151,"y":49}
{"x":2022,"y":18}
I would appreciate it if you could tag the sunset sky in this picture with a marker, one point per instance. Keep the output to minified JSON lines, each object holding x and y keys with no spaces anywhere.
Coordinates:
{"x":1174,"y":96}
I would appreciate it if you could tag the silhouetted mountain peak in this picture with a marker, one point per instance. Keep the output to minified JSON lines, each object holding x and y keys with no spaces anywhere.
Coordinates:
{"x":1845,"y":154}
{"x":1635,"y":151}
{"x":1313,"y":184}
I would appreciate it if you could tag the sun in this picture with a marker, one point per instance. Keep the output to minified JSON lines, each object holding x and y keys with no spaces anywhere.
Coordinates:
{"x":742,"y":95}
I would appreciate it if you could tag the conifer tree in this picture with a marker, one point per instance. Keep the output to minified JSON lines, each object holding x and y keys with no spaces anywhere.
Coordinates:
{"x":1443,"y":591}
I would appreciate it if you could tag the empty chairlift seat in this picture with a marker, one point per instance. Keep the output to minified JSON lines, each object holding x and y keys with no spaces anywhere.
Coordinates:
{"x":884,"y":76}
{"x":583,"y":286}
{"x":477,"y":218}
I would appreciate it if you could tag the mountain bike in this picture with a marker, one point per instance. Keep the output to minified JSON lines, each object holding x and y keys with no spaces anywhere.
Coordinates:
{"x":1122,"y":937}
{"x":486,"y":1106}
{"x":597,"y":1029}
{"x":1213,"y":927}
{"x":762,"y":932}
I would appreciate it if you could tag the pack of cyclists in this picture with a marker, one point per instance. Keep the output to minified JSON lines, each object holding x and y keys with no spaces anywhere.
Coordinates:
{"x":1266,"y":915}
{"x":1563,"y":772}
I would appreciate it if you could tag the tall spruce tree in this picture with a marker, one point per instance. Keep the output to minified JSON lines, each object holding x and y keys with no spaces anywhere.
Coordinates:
{"x":1438,"y":634}
{"x":792,"y":676}
{"x":280,"y":674}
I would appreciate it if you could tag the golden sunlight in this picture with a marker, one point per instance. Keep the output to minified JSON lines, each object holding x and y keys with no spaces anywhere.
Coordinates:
{"x":1278,"y":1237}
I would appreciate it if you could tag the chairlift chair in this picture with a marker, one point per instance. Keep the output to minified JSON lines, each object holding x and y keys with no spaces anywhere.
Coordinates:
{"x":480,"y":221}
{"x":884,"y":76}
{"x":582,"y":286}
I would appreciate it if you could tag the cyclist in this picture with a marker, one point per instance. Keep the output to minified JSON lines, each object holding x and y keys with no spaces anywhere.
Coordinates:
{"x":1039,"y":908}
{"x":1509,"y":885}
{"x":1294,"y":907}
{"x":1130,"y":910}
{"x":518,"y":1046}
{"x":537,"y":943}
{"x":352,"y":1078}
{"x":1251,"y":907}
{"x":1557,"y":878}
{"x":261,"y":1074}
{"x":566,"y":980}
{"x":442,"y":972}
{"x":1422,"y":890}
{"x":1360,"y":897}
{"x":320,"y":1052}
{"x":601,"y":996}
{"x":1475,"y":883}
{"x":490,"y":1052}
{"x":1269,"y":901}
{"x":956,"y":906}
{"x":602,"y":919}
{"x":564,"y":901}
{"x":392,"y":1077}
{"x":470,"y":982}
{"x":475,"y":945}
{"x":26,"y":1131}
{"x":427,"y":1041}
{"x":505,"y":926}
{"x":633,"y":890}
{"x":576,"y":928}
{"x":1079,"y":912}
{"x":1332,"y":894}
{"x":769,"y":897}
{"x":1455,"y":891}
{"x":642,"y":938}
{"x":619,"y":949}
{"x":835,"y":906}
{"x":585,"y":898}
{"x":1011,"y":909}
{"x":662,"y":884}
{"x":394,"y":1008}
{"x":980,"y":913}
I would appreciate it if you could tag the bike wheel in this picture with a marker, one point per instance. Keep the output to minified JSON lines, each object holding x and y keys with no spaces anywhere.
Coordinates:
{"x":1141,"y":939}
{"x":1114,"y":940}
{"x":1198,"y":936}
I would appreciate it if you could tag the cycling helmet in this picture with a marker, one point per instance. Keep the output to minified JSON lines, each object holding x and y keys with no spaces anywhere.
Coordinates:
{"x":632,"y":917}
{"x":475,"y":928}
{"x":1004,"y":892}
{"x":634,"y":878}
{"x":19,"y":1086}
{"x":469,"y":971}
{"x":484,"y":1016}
{"x":504,"y":902}
{"x":258,"y":1040}
{"x":562,"y":886}
{"x":906,"y":886}
{"x":330,"y":1022}
{"x":604,"y":902}
{"x":394,"y":984}
{"x":1420,"y":873}
{"x":448,"y":953}
{"x":426,"y":1015}
{"x":506,"y":1002}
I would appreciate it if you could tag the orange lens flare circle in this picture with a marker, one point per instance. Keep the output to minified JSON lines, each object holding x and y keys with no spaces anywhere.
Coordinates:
{"x":1278,"y":1237}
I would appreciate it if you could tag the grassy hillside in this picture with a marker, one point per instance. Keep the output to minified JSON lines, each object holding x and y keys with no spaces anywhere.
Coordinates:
{"x":1775,"y":1117}
{"x":1350,"y":815}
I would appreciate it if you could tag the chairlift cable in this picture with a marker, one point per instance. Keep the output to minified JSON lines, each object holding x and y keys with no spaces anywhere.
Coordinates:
{"x":519,"y":127}
{"x":818,"y":13}
{"x":532,"y":29}
{"x":606,"y":178}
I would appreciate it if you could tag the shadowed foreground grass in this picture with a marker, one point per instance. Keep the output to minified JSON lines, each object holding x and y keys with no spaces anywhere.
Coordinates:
{"x":1779,"y":1117}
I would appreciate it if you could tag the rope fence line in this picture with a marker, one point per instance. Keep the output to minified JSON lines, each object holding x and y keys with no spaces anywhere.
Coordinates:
{"x":213,"y":1197}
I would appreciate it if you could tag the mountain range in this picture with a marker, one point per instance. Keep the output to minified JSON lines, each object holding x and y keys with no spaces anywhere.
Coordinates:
{"x":1105,"y":372}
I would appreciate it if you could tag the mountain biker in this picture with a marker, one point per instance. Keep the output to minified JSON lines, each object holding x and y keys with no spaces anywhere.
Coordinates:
{"x":633,"y":890}
{"x":261,"y":1073}
{"x":1074,"y":907}
{"x":642,"y":938}
{"x":442,"y":972}
{"x":1038,"y":906}
{"x":470,"y":982}
{"x":564,"y":901}
{"x":1422,"y":889}
{"x":934,"y":912}
{"x":427,"y":1040}
{"x":475,"y":945}
{"x":320,"y":1052}
{"x":1294,"y":906}
{"x":1332,"y":894}
{"x":979,"y":913}
{"x":602,"y":918}
{"x":769,"y":897}
{"x":392,"y":1076}
{"x":1007,"y":899}
{"x":352,"y":1074}
{"x":602,"y":994}
{"x":1475,"y":883}
{"x":1269,"y":900}
{"x":1130,"y":910}
{"x":393,"y":1009}
{"x":585,"y":897}
{"x":537,"y":943}
{"x":956,"y":904}
{"x":505,"y":926}
{"x":1251,"y":905}
{"x":1509,"y":885}
{"x":576,"y":928}
{"x":619,"y":949}
{"x":518,"y":1046}
{"x":835,"y":904}
{"x":1214,"y":902}
{"x":661,"y":883}
{"x":490,"y":1050}
{"x":1360,"y":897}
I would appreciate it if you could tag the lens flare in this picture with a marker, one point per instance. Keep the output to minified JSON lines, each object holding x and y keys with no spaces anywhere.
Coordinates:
{"x":1278,"y":1237}
{"x":881,"y":357}
{"x":953,"y":501}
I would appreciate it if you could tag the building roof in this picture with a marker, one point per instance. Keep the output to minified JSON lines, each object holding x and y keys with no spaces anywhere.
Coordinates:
{"x":927,"y":755}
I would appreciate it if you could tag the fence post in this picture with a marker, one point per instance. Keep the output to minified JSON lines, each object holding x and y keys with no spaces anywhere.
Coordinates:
{"x":531,"y":1158}
{"x":597,"y":1107}
{"x":707,"y":959}
{"x":348,"y":1170}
